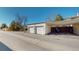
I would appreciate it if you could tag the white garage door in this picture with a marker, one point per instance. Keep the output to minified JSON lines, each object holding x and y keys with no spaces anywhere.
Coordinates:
{"x":32,"y":30}
{"x":40,"y":30}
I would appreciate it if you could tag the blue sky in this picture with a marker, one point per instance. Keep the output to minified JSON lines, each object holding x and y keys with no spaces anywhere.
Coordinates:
{"x":35,"y":14}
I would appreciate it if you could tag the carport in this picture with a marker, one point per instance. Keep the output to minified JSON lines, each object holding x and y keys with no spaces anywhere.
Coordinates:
{"x":63,"y":30}
{"x":61,"y":27}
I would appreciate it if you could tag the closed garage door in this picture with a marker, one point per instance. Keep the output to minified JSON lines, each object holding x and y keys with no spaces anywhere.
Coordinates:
{"x":32,"y":30}
{"x":40,"y":30}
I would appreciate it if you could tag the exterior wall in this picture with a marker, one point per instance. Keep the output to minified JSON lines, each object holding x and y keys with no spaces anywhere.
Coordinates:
{"x":40,"y":30}
{"x":48,"y":29}
{"x":32,"y":29}
{"x":76,"y":28}
{"x":37,"y":27}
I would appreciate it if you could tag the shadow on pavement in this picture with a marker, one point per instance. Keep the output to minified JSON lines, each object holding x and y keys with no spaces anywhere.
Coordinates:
{"x":3,"y":47}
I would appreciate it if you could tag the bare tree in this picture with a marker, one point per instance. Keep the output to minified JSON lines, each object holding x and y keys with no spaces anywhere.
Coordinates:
{"x":22,"y":20}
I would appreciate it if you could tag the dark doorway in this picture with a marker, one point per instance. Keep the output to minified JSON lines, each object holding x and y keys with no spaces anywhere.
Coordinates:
{"x":61,"y":30}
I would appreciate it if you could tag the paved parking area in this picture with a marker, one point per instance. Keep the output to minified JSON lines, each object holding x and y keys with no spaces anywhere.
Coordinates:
{"x":65,"y":40}
{"x":17,"y":43}
{"x":33,"y":42}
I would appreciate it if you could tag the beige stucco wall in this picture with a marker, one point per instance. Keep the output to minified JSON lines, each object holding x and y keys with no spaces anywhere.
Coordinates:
{"x":47,"y":29}
{"x":76,"y":28}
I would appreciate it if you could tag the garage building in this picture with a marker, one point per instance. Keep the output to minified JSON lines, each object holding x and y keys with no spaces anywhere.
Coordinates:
{"x":70,"y":25}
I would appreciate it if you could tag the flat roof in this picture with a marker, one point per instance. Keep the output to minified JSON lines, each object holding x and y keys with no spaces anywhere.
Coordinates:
{"x":36,"y":23}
